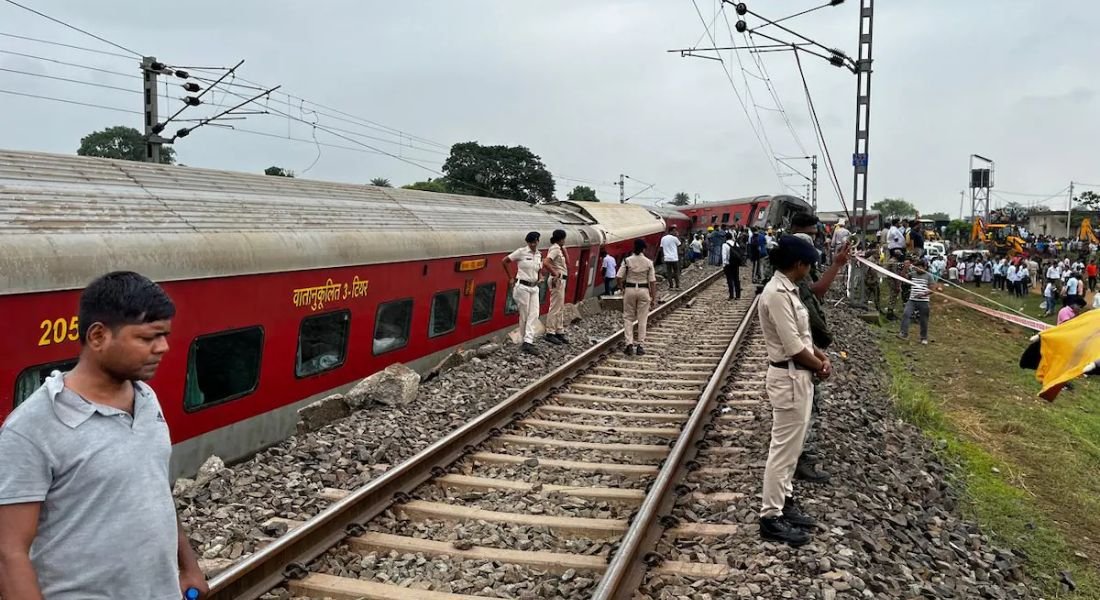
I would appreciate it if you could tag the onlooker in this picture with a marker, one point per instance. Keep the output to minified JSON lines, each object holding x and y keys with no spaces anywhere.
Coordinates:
{"x":86,"y":507}
{"x":733,"y":256}
{"x":1091,"y":273}
{"x":609,"y":272}
{"x":1048,"y":299}
{"x":670,"y":256}
{"x":919,"y":295}
{"x":1072,"y":306}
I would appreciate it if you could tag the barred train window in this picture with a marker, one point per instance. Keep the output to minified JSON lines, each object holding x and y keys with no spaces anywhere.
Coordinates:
{"x":32,"y":378}
{"x":222,"y":367}
{"x":485,"y":297}
{"x":391,"y":325}
{"x":322,"y":343}
{"x":510,"y":307}
{"x":444,"y":313}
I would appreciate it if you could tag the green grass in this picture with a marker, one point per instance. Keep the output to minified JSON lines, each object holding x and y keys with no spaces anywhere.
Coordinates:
{"x":1029,"y":471}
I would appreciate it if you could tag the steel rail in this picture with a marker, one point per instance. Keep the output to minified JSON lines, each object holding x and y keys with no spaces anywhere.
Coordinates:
{"x":628,"y":566}
{"x":288,"y":556}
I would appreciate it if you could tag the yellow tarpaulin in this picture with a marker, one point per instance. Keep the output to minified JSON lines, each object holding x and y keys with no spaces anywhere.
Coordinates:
{"x":1066,"y":350}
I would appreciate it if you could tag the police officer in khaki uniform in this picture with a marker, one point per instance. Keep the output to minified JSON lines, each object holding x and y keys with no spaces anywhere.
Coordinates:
{"x":525,"y":289}
{"x":638,"y":279}
{"x":794,"y":361}
{"x":556,"y":261}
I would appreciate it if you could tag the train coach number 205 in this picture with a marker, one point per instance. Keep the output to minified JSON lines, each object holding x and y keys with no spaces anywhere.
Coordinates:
{"x":57,"y":331}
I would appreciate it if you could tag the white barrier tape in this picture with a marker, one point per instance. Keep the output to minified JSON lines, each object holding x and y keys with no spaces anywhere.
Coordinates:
{"x":1032,"y":324}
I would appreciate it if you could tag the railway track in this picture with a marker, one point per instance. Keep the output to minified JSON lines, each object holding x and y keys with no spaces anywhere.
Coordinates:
{"x":562,"y":490}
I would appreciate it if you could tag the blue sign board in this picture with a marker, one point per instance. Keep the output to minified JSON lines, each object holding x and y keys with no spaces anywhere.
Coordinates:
{"x":859,"y":160}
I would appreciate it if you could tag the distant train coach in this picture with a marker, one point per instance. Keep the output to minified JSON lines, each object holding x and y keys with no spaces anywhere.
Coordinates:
{"x":754,"y":211}
{"x":286,"y":290}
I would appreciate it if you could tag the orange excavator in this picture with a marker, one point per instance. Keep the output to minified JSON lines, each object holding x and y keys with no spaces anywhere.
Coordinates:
{"x":1085,"y":232}
{"x":1000,"y":238}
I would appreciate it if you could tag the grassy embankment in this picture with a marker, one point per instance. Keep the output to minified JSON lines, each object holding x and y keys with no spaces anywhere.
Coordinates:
{"x":1029,"y":470}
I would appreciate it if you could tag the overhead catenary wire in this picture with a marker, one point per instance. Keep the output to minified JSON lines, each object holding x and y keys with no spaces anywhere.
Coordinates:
{"x":75,"y":28}
{"x":822,"y":143}
{"x":729,"y":76}
{"x":70,"y":80}
{"x":69,"y":64}
{"x":67,"y":101}
{"x":63,"y":45}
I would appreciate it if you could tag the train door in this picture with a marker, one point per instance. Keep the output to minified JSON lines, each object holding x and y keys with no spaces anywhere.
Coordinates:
{"x":583,"y":280}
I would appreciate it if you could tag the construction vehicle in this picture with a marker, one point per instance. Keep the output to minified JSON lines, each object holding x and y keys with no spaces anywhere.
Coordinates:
{"x":1000,"y":238}
{"x":1085,"y":232}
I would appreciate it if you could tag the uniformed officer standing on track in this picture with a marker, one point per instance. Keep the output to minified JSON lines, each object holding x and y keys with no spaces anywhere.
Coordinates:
{"x":525,"y":288}
{"x":556,"y":261}
{"x":794,"y":361}
{"x":638,"y":280}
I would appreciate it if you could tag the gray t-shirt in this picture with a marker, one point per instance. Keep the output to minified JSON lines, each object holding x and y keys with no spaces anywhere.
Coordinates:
{"x":107,"y":528}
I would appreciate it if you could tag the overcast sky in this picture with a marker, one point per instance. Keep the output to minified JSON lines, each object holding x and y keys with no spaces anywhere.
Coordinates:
{"x":588,"y":86}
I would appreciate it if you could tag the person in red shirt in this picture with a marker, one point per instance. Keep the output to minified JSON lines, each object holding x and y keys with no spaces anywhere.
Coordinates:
{"x":1090,"y":272}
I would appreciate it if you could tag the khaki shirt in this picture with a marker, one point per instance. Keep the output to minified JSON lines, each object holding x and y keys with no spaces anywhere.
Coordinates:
{"x":557,"y":258}
{"x":784,"y":320}
{"x":527,"y":262}
{"x":636,"y":268}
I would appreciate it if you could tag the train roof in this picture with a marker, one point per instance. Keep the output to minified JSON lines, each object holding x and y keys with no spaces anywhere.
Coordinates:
{"x":795,"y":200}
{"x":65,"y":219}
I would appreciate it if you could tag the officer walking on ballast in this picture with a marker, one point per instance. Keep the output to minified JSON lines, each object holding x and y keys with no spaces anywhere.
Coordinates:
{"x":794,"y":361}
{"x":525,"y":289}
{"x":638,"y":280}
{"x":556,"y":260}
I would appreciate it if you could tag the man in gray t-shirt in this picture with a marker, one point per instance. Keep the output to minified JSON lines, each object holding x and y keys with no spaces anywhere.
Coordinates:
{"x":86,"y":512}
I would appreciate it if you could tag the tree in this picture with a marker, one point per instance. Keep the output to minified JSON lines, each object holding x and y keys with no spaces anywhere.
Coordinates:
{"x":891,"y":208}
{"x":1014,"y":211}
{"x":680,"y":199}
{"x":512,"y":172}
{"x":432,"y":185}
{"x":122,"y":143}
{"x":582,"y":193}
{"x":381,"y":182}
{"x":278,"y":172}
{"x":938,"y":216}
{"x":958,"y":229}
{"x":1089,"y":200}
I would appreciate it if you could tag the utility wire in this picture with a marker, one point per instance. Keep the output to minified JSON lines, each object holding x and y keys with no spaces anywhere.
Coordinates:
{"x":74,"y":28}
{"x":821,"y":139}
{"x":69,"y":64}
{"x":775,"y":95}
{"x":51,"y":98}
{"x":52,"y":43}
{"x":748,"y":87}
{"x":69,"y":80}
{"x":740,"y":100}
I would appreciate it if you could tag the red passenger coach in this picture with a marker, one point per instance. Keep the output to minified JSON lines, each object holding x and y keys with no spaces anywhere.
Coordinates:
{"x":286,"y":290}
{"x":754,"y":211}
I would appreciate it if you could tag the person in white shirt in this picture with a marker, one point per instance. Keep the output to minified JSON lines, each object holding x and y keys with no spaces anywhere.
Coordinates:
{"x":670,"y":257}
{"x":525,"y":288}
{"x":696,"y":248}
{"x":1012,"y":279}
{"x":1023,"y":280}
{"x":610,"y":271}
{"x":733,"y":256}
{"x":895,"y":238}
{"x":953,"y":274}
{"x":979,"y":268}
{"x":840,"y":236}
{"x":1073,"y":287}
{"x":1048,"y":300}
{"x":999,"y":274}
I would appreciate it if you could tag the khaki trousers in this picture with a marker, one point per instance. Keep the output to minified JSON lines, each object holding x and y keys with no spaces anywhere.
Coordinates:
{"x":635,"y":307}
{"x":527,"y":301}
{"x":555,"y":318}
{"x":791,"y":393}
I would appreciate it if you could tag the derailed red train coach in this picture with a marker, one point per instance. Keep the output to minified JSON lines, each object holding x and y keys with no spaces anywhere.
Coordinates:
{"x":286,"y":289}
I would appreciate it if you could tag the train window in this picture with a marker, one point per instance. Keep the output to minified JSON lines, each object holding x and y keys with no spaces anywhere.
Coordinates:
{"x":444,"y":313}
{"x":713,"y":219}
{"x":694,"y":219}
{"x":543,"y":290}
{"x":391,"y":325}
{"x":322,"y":343}
{"x":222,"y":367}
{"x":510,"y":307}
{"x":32,"y":378}
{"x":725,"y":217}
{"x":485,"y":297}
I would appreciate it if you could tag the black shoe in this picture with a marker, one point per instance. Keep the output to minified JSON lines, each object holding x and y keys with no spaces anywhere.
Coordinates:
{"x":639,"y":350}
{"x":806,"y":471}
{"x":777,"y":529}
{"x":629,"y":350}
{"x":553,"y":339}
{"x":530,"y":349}
{"x":561,"y":338}
{"x":793,"y":514}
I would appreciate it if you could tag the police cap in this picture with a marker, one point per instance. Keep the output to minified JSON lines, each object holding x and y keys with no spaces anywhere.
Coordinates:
{"x":797,"y":249}
{"x":533,"y":237}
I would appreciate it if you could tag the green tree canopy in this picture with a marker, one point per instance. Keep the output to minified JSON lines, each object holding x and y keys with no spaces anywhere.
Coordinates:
{"x":938,"y":216}
{"x":958,"y":229}
{"x":891,"y":208}
{"x":381,"y":182}
{"x":278,"y":172}
{"x":1089,"y":200}
{"x":122,"y":143}
{"x":512,"y":172}
{"x":680,"y":199}
{"x":582,"y":193}
{"x":432,"y":185}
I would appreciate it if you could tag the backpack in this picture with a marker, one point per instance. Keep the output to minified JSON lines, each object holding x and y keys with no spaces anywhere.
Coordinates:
{"x":737,"y":254}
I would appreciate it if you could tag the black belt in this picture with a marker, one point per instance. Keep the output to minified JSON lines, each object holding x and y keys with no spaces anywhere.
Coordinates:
{"x":636,"y":285}
{"x":527,"y":283}
{"x":786,"y":364}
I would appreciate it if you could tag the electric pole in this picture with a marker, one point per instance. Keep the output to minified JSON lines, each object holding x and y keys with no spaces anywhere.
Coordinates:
{"x":1069,"y":211}
{"x":622,"y":188}
{"x":150,"y":69}
{"x":863,"y":114}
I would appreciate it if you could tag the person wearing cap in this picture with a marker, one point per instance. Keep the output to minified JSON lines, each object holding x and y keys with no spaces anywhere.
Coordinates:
{"x":794,"y":361}
{"x":638,"y":280}
{"x":556,"y":261}
{"x":525,"y":288}
{"x":670,"y":256}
